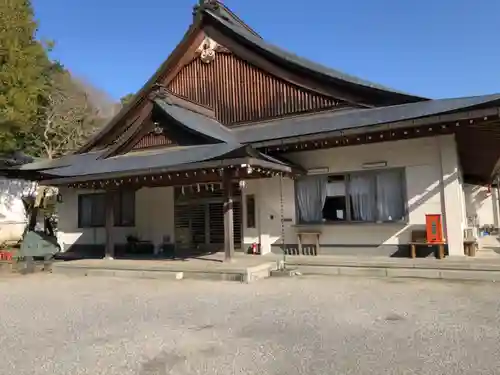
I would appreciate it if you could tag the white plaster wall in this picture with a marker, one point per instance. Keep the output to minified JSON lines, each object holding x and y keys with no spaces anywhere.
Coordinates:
{"x":12,"y":214}
{"x":425,"y":161}
{"x":421,"y":159}
{"x":268,"y":211}
{"x":153,"y":218}
{"x":155,"y":214}
{"x":11,"y":204}
{"x":452,"y":197}
{"x":483,"y":203}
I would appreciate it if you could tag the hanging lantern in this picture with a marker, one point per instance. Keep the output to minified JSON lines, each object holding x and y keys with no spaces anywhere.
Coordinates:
{"x":242,"y":184}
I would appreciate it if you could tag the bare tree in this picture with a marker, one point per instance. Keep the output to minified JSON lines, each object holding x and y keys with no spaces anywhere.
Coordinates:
{"x":69,"y":118}
{"x":99,"y":98}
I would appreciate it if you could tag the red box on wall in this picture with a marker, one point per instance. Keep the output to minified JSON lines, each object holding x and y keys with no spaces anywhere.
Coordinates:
{"x":434,"y":228}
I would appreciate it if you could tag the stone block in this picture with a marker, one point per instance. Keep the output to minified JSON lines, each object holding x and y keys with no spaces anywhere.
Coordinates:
{"x":127,"y":273}
{"x":413,"y":272}
{"x":255,"y":275}
{"x":318,"y":270}
{"x":470,"y":275}
{"x":282,"y":273}
{"x":363,"y":271}
{"x":216,"y":276}
{"x":162,"y":275}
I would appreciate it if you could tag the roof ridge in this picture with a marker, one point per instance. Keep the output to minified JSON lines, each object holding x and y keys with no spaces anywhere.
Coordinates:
{"x":237,"y":19}
{"x":223,"y":11}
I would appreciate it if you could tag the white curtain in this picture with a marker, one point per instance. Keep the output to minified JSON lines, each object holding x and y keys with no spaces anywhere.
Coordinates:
{"x":311,"y":196}
{"x":390,"y":205}
{"x":362,"y":189}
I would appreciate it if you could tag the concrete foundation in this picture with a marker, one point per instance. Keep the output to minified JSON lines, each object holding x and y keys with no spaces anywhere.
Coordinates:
{"x":245,"y":269}
{"x":449,"y":268}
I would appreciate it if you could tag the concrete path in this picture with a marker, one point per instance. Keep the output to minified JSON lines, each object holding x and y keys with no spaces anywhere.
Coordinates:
{"x":243,"y":268}
{"x":247,"y":268}
{"x":485,"y":266}
{"x":489,"y":247}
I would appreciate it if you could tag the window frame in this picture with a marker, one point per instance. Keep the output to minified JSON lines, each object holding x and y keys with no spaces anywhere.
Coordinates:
{"x":118,"y":217}
{"x":117,"y":209}
{"x":250,"y":224}
{"x":81,"y":198}
{"x":347,"y":179}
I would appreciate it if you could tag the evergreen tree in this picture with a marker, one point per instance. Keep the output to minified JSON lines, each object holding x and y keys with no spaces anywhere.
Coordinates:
{"x":24,"y":71}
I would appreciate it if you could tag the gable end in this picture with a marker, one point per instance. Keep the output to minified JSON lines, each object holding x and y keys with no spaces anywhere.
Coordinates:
{"x":239,"y":92}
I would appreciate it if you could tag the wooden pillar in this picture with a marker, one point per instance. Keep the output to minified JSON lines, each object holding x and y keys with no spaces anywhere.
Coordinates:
{"x":228,"y":217}
{"x":109,"y":225}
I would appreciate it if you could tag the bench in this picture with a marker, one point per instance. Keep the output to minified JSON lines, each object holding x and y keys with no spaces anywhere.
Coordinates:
{"x":419,"y":238}
{"x":470,"y":247}
{"x":307,"y":232}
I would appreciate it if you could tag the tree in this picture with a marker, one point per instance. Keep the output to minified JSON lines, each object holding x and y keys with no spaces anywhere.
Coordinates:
{"x":68,"y":120}
{"x":23,"y":69}
{"x":100,"y":99}
{"x":124,"y":100}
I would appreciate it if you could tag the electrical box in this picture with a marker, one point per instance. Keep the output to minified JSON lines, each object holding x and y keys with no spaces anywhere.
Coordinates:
{"x":434,"y":228}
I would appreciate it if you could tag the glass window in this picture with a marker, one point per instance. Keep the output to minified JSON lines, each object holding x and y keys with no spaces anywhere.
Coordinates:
{"x":335,"y":207}
{"x":92,"y":209}
{"x":250,"y":203}
{"x":374,"y":196}
{"x":124,"y":213}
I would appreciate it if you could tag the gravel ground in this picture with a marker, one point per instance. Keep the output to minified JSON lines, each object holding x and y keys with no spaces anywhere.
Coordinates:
{"x":55,"y":325}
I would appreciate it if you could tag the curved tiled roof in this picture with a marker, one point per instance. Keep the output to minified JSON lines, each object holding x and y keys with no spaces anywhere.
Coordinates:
{"x":219,"y":16}
{"x":328,"y":121}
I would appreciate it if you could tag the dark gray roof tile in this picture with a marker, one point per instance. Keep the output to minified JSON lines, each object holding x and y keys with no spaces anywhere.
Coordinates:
{"x":198,"y":123}
{"x":301,"y":61}
{"x":228,"y":15}
{"x":175,"y":158}
{"x":161,"y":158}
{"x":349,"y":119}
{"x":62,"y":161}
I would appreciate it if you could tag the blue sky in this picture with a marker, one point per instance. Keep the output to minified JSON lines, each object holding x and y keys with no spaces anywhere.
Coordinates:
{"x":435,"y":48}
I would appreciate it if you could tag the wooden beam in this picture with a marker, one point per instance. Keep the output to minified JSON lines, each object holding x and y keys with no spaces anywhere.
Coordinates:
{"x":109,"y":224}
{"x":228,"y":218}
{"x":301,"y":80}
{"x":133,"y":130}
{"x":191,"y":36}
{"x":188,"y":55}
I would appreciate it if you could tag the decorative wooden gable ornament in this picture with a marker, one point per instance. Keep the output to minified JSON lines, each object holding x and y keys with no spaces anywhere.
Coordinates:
{"x":207,"y":50}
